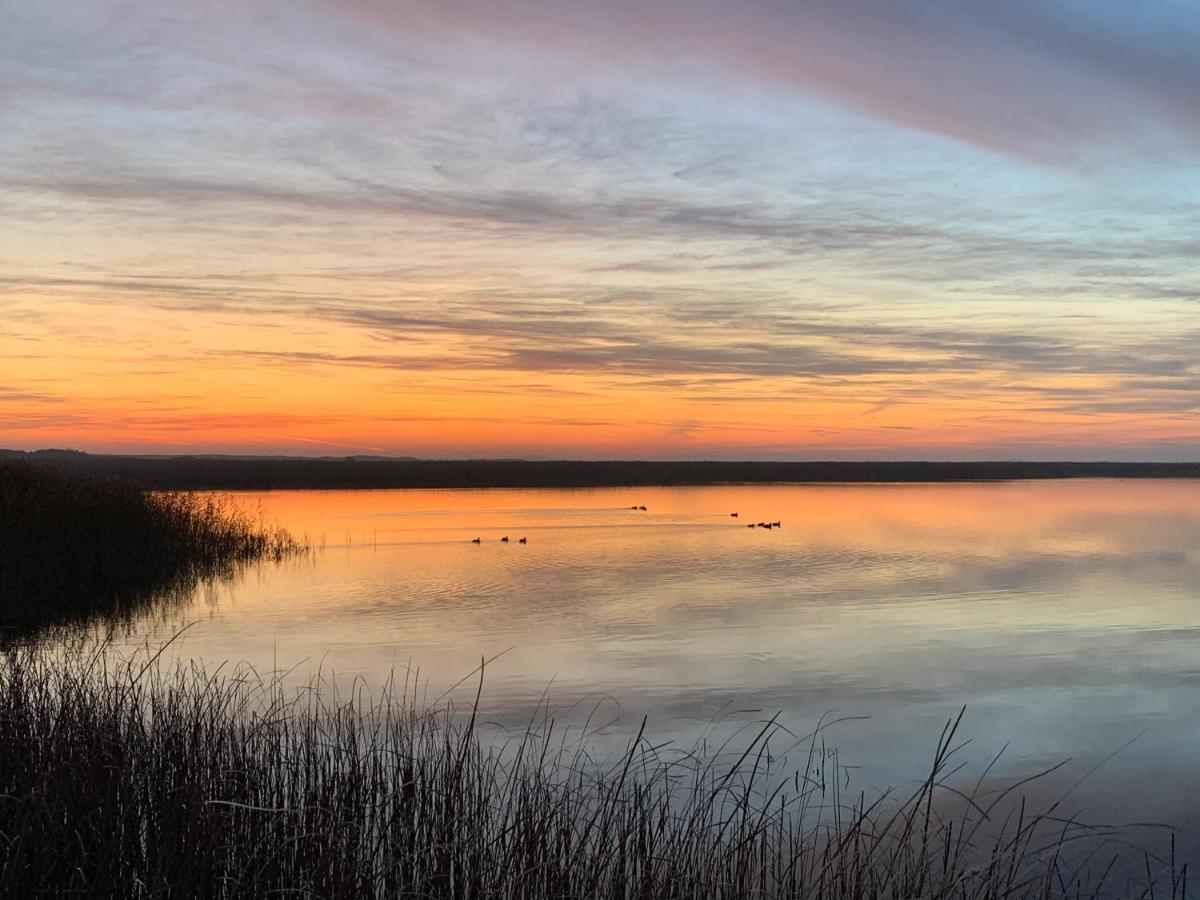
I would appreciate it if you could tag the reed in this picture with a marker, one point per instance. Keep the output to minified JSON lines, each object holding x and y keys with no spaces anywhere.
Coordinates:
{"x":132,"y":778}
{"x":74,"y":545}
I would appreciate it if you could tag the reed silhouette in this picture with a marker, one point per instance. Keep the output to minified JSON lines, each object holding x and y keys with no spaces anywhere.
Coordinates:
{"x":130,"y":778}
{"x":72,"y":546}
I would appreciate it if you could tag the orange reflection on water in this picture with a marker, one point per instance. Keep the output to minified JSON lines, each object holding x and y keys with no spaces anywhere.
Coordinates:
{"x":1065,"y":615}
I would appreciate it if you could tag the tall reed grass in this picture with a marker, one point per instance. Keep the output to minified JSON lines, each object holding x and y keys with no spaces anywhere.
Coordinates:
{"x":130,"y":778}
{"x":73,"y":545}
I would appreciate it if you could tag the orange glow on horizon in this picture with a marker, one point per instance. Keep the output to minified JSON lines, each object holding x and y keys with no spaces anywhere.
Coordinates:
{"x":144,"y":386}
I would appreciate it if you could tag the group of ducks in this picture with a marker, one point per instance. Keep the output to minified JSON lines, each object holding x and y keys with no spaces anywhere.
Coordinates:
{"x":732,"y":515}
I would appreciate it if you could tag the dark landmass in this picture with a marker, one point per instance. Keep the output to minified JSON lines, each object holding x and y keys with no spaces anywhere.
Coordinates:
{"x":264,"y":473}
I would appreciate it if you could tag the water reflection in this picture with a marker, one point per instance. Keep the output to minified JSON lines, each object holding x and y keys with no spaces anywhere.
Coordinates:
{"x":1063,"y":614}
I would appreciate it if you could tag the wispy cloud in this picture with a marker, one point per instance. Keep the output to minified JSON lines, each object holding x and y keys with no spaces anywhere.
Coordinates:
{"x":1036,"y":79}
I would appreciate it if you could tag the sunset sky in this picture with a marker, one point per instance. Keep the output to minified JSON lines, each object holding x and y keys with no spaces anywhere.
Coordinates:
{"x":602,"y":228}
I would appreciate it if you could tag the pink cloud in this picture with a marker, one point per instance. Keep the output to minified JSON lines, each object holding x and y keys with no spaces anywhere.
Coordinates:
{"x":1037,"y":81}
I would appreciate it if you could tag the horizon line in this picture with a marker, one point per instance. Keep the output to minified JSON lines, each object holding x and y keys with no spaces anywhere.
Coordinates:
{"x":65,"y":451}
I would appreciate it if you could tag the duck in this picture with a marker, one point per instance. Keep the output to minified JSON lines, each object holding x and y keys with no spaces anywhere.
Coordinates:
{"x":733,"y":515}
{"x":504,"y":540}
{"x":642,"y":508}
{"x":523,"y":541}
{"x":477,"y":541}
{"x":777,"y":524}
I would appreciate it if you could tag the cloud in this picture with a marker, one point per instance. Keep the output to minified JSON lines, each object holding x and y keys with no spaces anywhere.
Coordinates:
{"x":1055,"y":81}
{"x":540,"y":213}
{"x":20,"y":395}
{"x":1036,"y":79}
{"x":727,"y":344}
{"x":732,"y":238}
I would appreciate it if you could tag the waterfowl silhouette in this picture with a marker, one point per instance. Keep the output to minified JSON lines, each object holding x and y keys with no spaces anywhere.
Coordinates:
{"x":642,"y":508}
{"x":522,"y":541}
{"x":733,"y":515}
{"x":777,"y":524}
{"x":477,"y":541}
{"x":749,"y":526}
{"x":504,"y":540}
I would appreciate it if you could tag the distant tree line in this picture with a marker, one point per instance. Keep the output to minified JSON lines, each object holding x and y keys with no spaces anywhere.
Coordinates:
{"x":263,"y":473}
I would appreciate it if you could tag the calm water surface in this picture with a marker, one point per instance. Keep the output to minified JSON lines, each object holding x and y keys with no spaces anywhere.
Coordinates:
{"x":1064,"y":615}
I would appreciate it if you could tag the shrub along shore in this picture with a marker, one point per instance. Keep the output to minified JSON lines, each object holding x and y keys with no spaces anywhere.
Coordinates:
{"x":72,"y":545}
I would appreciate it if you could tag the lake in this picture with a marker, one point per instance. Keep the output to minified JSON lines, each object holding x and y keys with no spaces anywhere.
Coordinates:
{"x":1065,"y":616}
